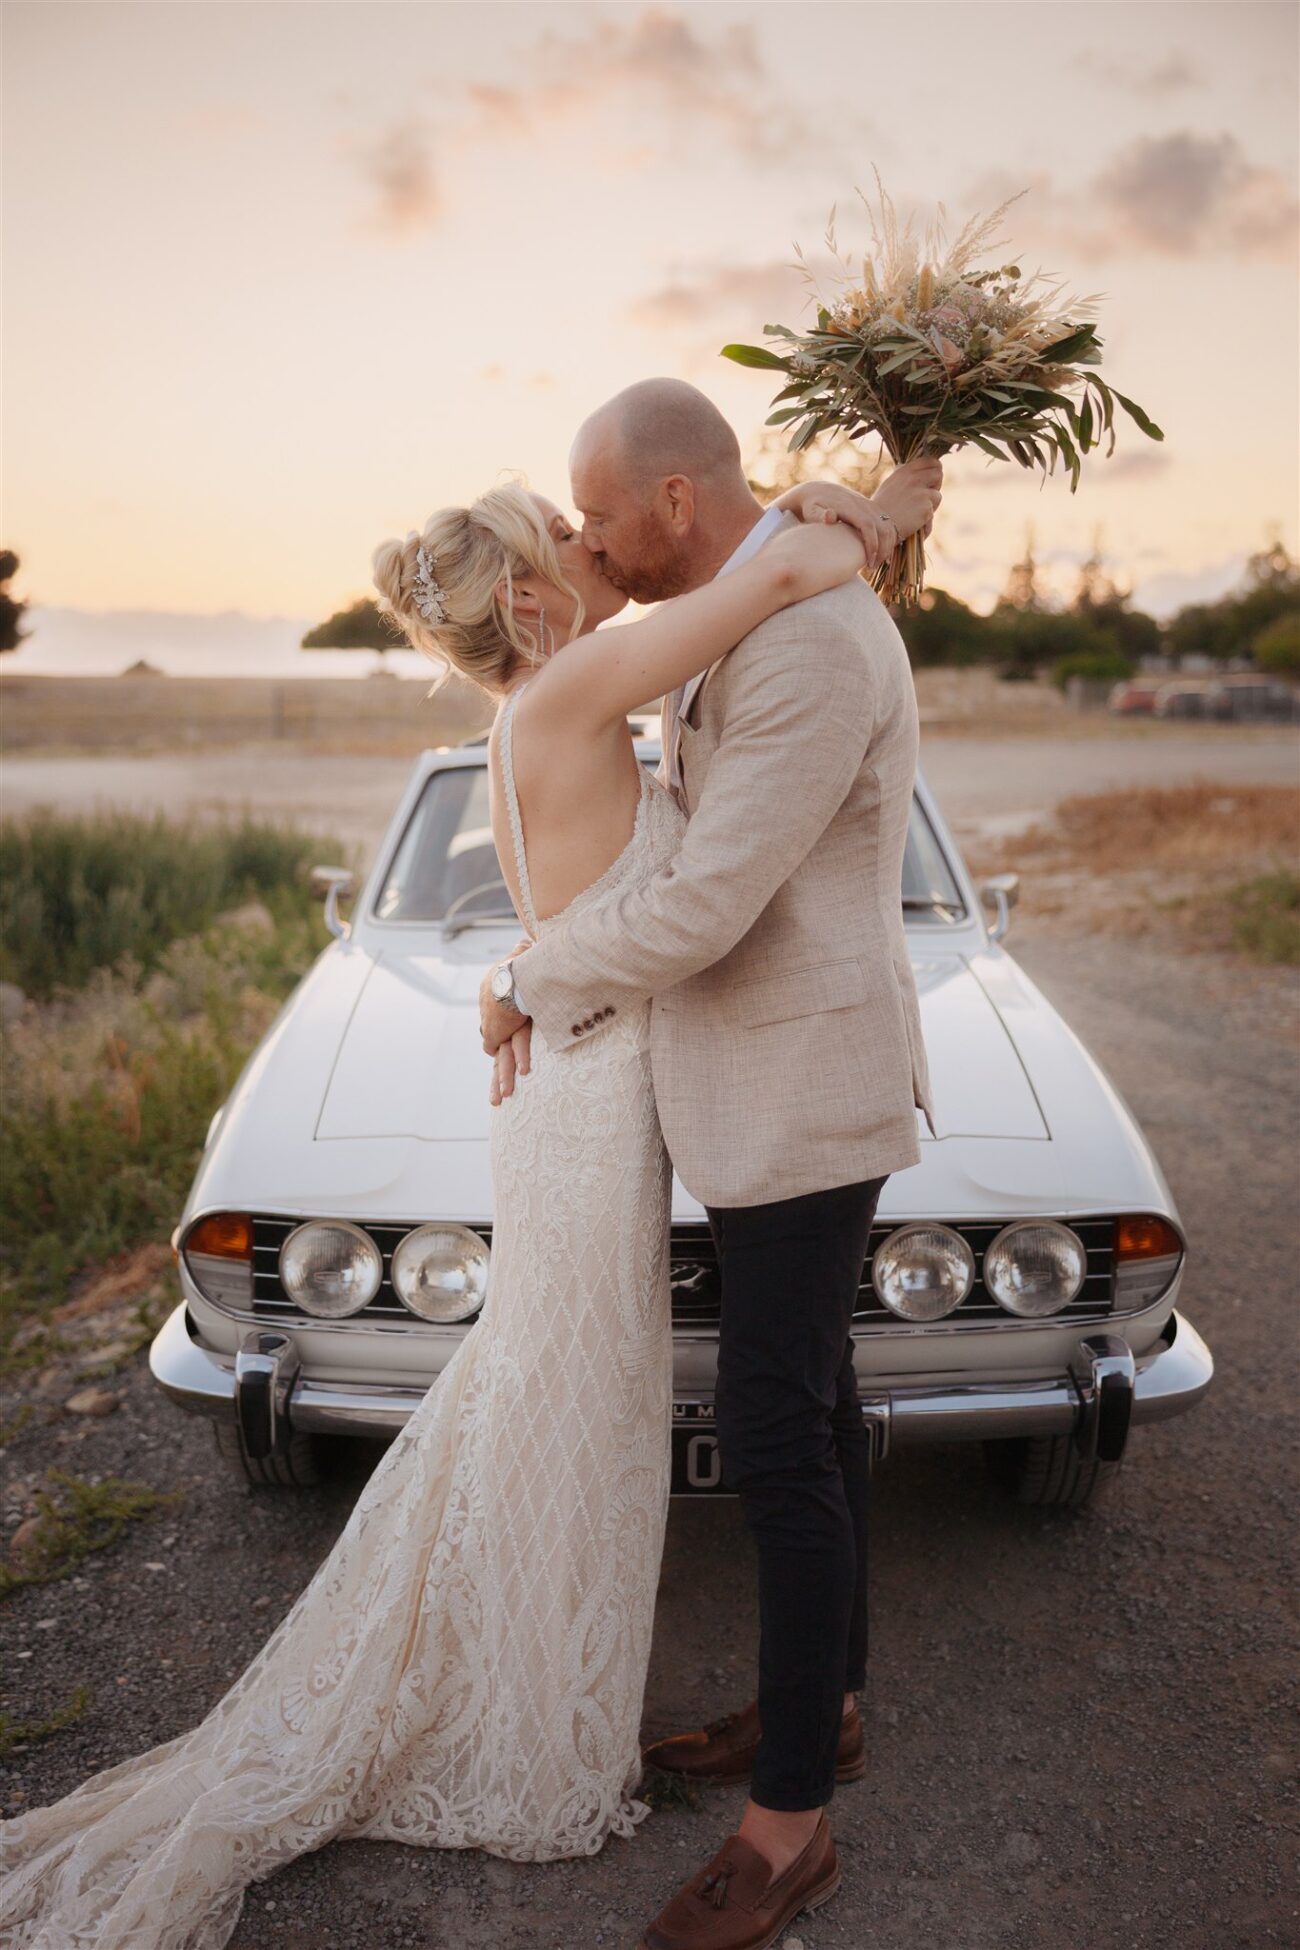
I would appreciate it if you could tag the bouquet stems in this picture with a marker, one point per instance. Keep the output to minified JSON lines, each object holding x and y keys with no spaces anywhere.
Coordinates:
{"x":901,"y":578}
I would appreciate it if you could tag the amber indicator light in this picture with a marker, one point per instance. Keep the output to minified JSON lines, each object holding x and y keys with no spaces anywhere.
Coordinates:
{"x":227,"y":1235}
{"x":1145,"y":1238}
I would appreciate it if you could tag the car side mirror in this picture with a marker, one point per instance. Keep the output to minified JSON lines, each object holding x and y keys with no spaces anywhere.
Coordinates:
{"x":332,"y":884}
{"x":1000,"y":892}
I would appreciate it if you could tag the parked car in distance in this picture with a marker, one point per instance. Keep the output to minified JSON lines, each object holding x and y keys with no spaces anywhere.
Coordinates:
{"x":1021,"y":1285}
{"x":1252,"y":699}
{"x":1133,"y":697}
{"x":1181,"y":701}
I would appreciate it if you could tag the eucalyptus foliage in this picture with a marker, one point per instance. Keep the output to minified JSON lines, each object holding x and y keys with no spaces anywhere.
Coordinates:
{"x":932,"y":354}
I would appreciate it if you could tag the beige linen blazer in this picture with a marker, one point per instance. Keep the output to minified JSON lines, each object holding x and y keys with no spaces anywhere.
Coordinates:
{"x":785,"y":1034}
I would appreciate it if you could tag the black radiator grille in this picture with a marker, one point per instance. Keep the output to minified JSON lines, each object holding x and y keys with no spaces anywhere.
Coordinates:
{"x":695,"y":1288}
{"x":698,"y":1307}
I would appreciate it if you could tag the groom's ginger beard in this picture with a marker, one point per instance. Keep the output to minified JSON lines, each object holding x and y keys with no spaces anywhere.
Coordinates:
{"x":658,"y":479}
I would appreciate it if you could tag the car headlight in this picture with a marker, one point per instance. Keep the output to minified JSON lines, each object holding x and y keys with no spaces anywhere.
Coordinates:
{"x":1035,"y":1267}
{"x":330,"y":1268}
{"x":441,"y":1272}
{"x":921,"y":1272}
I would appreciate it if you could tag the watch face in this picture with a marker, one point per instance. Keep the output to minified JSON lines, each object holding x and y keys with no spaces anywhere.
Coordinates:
{"x":502,"y":984}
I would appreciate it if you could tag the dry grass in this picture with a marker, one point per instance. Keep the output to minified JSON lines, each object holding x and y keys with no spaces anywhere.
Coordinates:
{"x":1206,"y":865}
{"x":1202,"y":828}
{"x":179,"y":714}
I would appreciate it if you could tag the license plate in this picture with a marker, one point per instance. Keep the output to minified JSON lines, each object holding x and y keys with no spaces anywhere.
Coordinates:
{"x":697,"y":1467}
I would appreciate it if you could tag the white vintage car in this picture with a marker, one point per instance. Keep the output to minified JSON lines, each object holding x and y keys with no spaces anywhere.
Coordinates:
{"x":1022,"y":1280}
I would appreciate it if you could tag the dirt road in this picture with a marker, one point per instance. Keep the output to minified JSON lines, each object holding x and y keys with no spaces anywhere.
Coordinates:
{"x":351,"y":796}
{"x":1081,"y":1731}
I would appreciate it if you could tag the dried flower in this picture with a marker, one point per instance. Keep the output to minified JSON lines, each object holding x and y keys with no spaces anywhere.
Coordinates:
{"x":999,"y":376}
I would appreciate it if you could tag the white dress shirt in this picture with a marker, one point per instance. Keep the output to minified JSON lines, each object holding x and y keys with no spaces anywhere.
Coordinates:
{"x":763,"y":529}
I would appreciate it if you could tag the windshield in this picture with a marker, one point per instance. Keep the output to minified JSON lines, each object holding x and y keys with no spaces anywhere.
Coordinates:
{"x":445,"y":867}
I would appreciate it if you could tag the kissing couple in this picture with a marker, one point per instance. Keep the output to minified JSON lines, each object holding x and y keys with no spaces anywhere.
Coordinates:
{"x":715,"y":974}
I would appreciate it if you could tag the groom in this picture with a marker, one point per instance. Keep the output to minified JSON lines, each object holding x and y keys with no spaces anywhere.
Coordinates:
{"x":788,"y":1065}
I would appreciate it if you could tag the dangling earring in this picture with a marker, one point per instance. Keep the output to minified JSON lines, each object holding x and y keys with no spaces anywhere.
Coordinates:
{"x":541,"y":634}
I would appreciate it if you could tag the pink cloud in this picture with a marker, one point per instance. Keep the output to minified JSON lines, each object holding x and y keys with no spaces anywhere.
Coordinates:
{"x":397,"y":166}
{"x":1179,"y":195}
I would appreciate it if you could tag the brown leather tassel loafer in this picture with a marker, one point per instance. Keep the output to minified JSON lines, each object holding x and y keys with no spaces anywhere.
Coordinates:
{"x":736,"y":1903}
{"x":724,"y":1752}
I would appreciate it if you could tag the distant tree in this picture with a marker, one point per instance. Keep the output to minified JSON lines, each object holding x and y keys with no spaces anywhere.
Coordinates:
{"x":1100,"y":601}
{"x":359,"y":627}
{"x":11,"y":610}
{"x":1022,"y":591}
{"x":1269,"y":588}
{"x":1277,"y":647}
{"x":1026,"y":641}
{"x":942,"y":629}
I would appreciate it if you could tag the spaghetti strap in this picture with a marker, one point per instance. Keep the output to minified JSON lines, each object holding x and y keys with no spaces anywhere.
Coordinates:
{"x":512,"y":803}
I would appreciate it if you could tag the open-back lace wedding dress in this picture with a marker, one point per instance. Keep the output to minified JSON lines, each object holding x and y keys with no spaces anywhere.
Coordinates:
{"x":467,"y":1667}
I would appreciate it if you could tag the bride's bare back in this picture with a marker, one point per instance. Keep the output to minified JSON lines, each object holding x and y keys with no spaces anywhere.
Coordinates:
{"x":578,"y":798}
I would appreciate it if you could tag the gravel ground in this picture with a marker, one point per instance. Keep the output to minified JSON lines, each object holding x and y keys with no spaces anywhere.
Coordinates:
{"x":1081,"y":1729}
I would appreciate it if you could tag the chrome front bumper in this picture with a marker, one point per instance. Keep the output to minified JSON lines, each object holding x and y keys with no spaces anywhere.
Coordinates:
{"x":263,"y":1388}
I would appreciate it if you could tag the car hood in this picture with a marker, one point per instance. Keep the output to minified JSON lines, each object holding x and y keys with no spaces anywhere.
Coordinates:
{"x":375,"y":1062}
{"x":409,"y":1062}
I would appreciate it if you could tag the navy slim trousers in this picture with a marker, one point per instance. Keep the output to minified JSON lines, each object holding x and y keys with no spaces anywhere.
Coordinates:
{"x":794,"y":1449}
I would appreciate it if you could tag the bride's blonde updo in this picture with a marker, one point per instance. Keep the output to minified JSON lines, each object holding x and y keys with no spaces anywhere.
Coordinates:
{"x":471,"y":552}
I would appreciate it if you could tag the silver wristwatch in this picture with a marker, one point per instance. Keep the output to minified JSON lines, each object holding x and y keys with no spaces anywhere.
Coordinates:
{"x":502,"y":985}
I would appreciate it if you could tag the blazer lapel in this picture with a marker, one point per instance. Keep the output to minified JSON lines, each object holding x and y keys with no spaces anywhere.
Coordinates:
{"x":692,"y":691}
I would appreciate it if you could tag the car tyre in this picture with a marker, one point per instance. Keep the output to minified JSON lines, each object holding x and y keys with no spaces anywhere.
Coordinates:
{"x":1047,"y":1471}
{"x":299,"y":1464}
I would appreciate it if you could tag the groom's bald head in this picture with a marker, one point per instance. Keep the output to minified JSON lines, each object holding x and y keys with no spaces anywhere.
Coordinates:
{"x":660,"y":427}
{"x":657,"y":478}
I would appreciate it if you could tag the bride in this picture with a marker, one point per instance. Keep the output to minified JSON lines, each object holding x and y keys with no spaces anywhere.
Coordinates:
{"x":467,"y":1666}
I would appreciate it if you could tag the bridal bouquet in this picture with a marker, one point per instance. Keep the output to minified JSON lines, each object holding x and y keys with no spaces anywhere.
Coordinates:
{"x":931,"y":352}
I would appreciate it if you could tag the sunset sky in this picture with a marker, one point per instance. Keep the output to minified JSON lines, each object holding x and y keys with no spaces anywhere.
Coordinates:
{"x":280,"y":279}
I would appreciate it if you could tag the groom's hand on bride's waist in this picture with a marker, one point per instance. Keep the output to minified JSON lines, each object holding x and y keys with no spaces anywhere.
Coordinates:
{"x":506,"y":1033}
{"x":511,"y":1060}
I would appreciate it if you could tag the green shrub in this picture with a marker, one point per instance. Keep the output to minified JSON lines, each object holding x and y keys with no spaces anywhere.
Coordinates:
{"x":80,"y":894}
{"x":1265,"y":916}
{"x":1100,"y":666}
{"x":1277,"y":648}
{"x":1038,"y":639}
{"x":106,"y":1094}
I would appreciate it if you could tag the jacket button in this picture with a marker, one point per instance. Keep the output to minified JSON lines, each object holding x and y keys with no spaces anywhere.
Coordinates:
{"x":589,"y":1023}
{"x":576,"y":1028}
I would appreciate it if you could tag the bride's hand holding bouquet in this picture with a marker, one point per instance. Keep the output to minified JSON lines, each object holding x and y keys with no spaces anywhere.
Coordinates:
{"x":903,"y":506}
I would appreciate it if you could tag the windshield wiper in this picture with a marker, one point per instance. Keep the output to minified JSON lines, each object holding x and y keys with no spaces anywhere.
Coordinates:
{"x":930,"y":904}
{"x":459,"y":926}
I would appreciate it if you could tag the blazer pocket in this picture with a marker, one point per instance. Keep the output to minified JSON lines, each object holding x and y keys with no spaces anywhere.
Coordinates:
{"x":798,"y":992}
